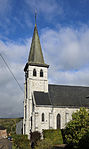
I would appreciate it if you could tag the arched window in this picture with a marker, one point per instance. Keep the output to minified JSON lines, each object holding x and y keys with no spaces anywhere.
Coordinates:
{"x":31,"y":122}
{"x":42,"y":117}
{"x":58,"y":121}
{"x":34,"y":72}
{"x":41,"y":73}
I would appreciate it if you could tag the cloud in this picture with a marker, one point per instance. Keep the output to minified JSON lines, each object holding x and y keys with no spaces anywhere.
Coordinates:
{"x":65,"y":50}
{"x":50,"y":8}
{"x":5,"y":7}
{"x":11,"y":96}
{"x":69,"y":45}
{"x":14,"y":21}
{"x":76,"y":78}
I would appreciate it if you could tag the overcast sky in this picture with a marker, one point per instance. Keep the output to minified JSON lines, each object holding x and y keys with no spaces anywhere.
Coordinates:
{"x":63,"y":27}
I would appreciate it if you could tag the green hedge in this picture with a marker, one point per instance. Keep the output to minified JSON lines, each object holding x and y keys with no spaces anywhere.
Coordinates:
{"x":54,"y":135}
{"x":21,"y":142}
{"x":44,"y":144}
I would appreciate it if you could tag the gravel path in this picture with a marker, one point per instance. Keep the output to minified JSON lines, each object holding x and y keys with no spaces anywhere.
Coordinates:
{"x":5,"y":144}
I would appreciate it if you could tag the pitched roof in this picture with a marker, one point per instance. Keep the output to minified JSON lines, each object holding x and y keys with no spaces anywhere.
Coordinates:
{"x":42,"y":98}
{"x":36,"y":55}
{"x":70,"y":96}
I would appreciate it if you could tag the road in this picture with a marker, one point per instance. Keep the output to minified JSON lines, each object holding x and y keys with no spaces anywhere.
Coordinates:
{"x":5,"y":144}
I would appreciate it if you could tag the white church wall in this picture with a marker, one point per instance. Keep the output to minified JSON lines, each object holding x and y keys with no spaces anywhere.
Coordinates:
{"x":39,"y":124}
{"x":62,"y":112}
{"x":37,"y":83}
{"x":50,"y":119}
{"x":33,"y":83}
{"x":30,"y":72}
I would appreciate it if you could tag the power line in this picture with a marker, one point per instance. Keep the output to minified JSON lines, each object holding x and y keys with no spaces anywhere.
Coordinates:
{"x":11,"y":73}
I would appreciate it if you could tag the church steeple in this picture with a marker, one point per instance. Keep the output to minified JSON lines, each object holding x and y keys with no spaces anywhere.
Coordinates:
{"x":36,"y":80}
{"x":35,"y":55}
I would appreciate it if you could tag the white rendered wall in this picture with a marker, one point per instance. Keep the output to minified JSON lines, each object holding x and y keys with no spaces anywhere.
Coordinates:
{"x":38,"y":125}
{"x":62,"y":112}
{"x":37,"y":83}
{"x":34,"y":83}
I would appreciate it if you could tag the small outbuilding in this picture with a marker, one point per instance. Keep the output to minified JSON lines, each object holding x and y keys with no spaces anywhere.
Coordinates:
{"x":3,"y":132}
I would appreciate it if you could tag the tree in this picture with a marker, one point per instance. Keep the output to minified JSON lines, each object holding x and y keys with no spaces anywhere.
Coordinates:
{"x":35,"y":136}
{"x":77,"y":128}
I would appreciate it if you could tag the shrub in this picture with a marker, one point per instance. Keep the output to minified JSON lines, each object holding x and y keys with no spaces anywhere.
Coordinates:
{"x":44,"y":144}
{"x":84,"y":142}
{"x":35,"y":136}
{"x":21,"y":142}
{"x":77,"y":128}
{"x":54,"y":135}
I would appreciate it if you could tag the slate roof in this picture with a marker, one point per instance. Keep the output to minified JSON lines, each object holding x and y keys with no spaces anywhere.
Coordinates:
{"x":36,"y":55}
{"x":70,"y":96}
{"x":42,"y":98}
{"x":63,"y":96}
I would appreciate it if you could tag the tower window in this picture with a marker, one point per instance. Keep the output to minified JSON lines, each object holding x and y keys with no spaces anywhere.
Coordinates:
{"x":42,"y":117}
{"x":34,"y":72}
{"x":41,"y":73}
{"x":25,"y":112}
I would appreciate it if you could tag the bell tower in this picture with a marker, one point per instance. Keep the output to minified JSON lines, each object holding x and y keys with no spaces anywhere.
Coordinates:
{"x":36,"y":78}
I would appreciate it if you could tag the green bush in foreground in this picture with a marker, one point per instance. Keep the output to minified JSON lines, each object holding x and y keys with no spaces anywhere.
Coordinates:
{"x":35,"y":137}
{"x":54,"y":135}
{"x":44,"y":144}
{"x":84,"y":142}
{"x":77,"y":128}
{"x":21,"y":142}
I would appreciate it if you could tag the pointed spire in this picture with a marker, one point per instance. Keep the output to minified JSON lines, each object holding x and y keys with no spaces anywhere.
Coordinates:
{"x":35,"y":15}
{"x":36,"y":55}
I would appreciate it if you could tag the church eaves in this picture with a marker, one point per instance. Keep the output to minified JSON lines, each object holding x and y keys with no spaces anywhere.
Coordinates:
{"x":36,"y":55}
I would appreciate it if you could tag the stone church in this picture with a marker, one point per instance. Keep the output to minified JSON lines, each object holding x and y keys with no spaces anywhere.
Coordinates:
{"x":47,"y":106}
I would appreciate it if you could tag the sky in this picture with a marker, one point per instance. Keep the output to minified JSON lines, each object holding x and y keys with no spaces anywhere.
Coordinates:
{"x":63,"y":27}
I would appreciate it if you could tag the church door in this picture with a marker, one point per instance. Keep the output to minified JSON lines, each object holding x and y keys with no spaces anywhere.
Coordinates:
{"x":58,"y":121}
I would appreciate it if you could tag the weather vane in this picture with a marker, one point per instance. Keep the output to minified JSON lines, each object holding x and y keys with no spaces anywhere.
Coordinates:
{"x":35,"y":15}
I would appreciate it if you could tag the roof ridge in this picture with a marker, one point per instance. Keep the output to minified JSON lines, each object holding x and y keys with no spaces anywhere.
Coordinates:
{"x":69,"y":85}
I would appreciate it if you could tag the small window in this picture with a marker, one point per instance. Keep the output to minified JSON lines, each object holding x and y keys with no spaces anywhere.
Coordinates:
{"x":25,"y":112}
{"x":41,"y":73}
{"x":66,"y":117}
{"x":42,"y":117}
{"x":34,"y":72}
